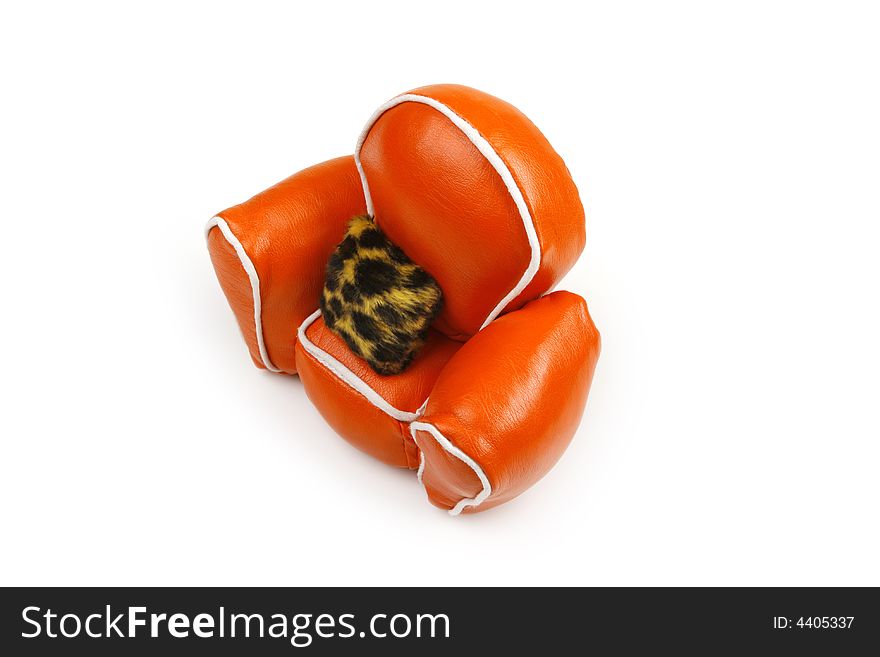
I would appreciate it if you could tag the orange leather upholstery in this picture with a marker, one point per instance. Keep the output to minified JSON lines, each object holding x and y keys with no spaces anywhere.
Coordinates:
{"x":470,"y":189}
{"x":386,"y":434}
{"x":438,"y":197}
{"x":287,"y":232}
{"x":510,"y":399}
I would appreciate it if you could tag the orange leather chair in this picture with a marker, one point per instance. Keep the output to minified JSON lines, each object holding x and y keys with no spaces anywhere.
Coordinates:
{"x":470,"y":190}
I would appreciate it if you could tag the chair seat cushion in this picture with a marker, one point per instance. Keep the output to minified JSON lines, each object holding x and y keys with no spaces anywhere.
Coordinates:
{"x":370,"y":410}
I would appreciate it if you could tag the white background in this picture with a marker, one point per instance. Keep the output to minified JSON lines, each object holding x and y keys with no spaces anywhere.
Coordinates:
{"x":728,"y":156}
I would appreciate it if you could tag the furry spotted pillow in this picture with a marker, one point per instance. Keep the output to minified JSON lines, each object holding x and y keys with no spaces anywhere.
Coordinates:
{"x":378,"y":300}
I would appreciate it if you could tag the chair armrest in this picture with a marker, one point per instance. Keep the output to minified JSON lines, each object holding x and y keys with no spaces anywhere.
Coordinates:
{"x":269,"y":254}
{"x":507,"y":404}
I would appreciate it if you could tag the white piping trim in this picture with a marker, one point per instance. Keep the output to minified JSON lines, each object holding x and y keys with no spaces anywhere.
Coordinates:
{"x":251,"y":271}
{"x":420,"y":411}
{"x":347,"y":376}
{"x":421,"y":470}
{"x":445,"y":443}
{"x":497,"y":163}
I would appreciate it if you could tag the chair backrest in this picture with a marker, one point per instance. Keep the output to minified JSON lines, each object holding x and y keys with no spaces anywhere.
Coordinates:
{"x":472,"y":191}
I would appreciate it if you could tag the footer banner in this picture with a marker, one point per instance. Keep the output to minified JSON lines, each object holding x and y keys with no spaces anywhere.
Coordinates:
{"x":277,"y":621}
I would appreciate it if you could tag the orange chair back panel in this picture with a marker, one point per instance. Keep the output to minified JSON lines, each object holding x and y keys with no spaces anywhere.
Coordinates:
{"x":474,"y":193}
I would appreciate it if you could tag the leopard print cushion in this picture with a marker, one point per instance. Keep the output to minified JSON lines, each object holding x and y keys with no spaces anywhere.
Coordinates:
{"x":378,"y":300}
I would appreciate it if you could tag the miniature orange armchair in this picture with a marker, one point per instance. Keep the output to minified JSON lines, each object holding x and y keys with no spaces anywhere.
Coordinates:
{"x":470,"y":191}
